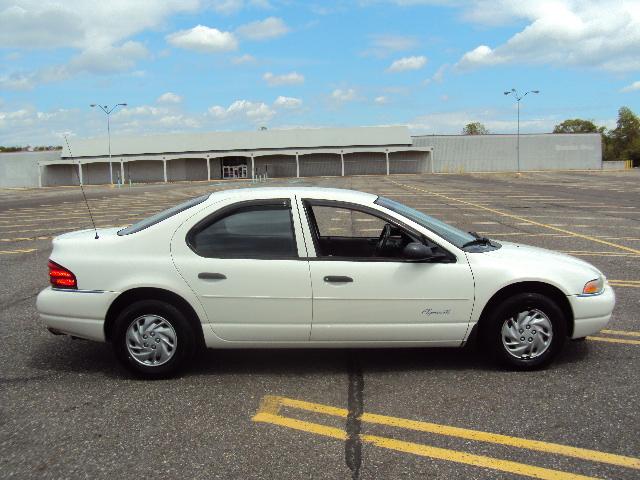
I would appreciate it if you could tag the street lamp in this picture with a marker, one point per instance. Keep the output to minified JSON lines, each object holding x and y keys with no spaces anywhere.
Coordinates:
{"x":108,"y":111}
{"x":518,"y":98}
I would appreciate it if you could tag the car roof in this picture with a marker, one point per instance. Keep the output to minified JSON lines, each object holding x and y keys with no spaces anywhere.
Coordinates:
{"x":338,"y":194}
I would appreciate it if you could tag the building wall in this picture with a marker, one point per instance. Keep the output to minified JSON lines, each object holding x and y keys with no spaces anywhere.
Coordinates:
{"x":65,"y":174}
{"x":274,"y":166}
{"x":365,"y":164}
{"x":20,"y":169}
{"x":142,"y":171}
{"x":497,"y":153}
{"x":409,"y":162}
{"x":98,"y":173}
{"x":320,"y":165}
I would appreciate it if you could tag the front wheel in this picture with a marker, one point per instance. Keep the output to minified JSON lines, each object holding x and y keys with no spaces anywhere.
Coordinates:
{"x":525,"y":331}
{"x":153,"y":339}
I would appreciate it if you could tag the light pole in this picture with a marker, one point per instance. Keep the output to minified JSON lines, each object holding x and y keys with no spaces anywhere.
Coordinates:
{"x":108,"y":111}
{"x":518,"y":98}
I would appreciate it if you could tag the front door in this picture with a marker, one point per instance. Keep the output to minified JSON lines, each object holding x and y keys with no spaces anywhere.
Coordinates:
{"x":247,"y":264}
{"x":364,"y":291}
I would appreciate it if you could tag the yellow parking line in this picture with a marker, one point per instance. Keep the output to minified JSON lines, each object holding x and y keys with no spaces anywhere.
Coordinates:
{"x":422,"y":450}
{"x":477,"y":435}
{"x":614,"y":340}
{"x":621,"y":284}
{"x":621,"y":332}
{"x":626,"y":281}
{"x":9,"y":252}
{"x":523,"y":219}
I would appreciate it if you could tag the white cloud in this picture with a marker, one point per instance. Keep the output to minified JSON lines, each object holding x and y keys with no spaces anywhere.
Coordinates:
{"x":408,"y":63}
{"x":341,"y":96}
{"x":292,"y":78}
{"x":178,"y":120}
{"x":635,"y":86}
{"x":384,"y":45}
{"x":438,"y":76}
{"x":140,"y":111}
{"x":271,"y":27}
{"x":381,"y":100}
{"x":244,"y":59}
{"x":287,"y":102}
{"x":169,"y":97}
{"x":97,"y":31}
{"x":255,"y":112}
{"x":203,"y":39}
{"x":109,"y":59}
{"x":229,"y":7}
{"x":502,"y":121}
{"x":592,"y":33}
{"x":81,"y":24}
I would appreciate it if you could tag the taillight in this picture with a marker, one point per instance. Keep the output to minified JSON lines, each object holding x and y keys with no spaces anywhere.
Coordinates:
{"x":61,"y":277}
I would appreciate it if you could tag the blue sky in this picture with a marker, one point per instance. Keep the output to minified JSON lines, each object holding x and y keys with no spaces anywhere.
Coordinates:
{"x":198,"y":65}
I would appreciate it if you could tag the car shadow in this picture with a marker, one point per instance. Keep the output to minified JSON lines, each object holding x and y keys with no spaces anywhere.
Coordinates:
{"x":62,"y":354}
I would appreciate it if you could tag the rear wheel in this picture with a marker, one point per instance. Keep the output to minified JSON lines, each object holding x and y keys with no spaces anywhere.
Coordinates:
{"x":525,"y":331}
{"x":153,"y":339}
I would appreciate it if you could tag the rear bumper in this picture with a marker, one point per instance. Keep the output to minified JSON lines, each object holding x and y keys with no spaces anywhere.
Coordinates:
{"x":80,"y":313}
{"x":592,"y":313}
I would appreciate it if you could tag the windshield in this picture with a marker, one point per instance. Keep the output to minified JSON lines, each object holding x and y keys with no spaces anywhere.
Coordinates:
{"x":159,"y":217}
{"x":451,"y":234}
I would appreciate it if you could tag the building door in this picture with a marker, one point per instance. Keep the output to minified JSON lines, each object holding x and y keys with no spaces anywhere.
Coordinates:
{"x":234,"y":167}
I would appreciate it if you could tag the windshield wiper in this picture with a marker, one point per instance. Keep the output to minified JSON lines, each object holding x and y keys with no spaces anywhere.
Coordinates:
{"x":477,"y":241}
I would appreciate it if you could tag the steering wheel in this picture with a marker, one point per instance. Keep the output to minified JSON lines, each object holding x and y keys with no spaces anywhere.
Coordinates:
{"x":382,"y":240}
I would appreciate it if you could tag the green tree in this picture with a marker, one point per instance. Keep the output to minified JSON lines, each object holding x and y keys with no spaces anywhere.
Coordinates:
{"x":625,"y":138}
{"x":577,"y":125}
{"x":475,"y":128}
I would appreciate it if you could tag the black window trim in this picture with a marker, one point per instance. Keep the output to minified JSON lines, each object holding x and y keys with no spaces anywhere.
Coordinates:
{"x":315,"y":232}
{"x":228,"y":210}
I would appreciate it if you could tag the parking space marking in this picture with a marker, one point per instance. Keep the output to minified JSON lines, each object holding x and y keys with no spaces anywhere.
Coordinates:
{"x":623,"y":333}
{"x":14,"y":252}
{"x":624,"y":283}
{"x":522,"y":219}
{"x":614,"y":340}
{"x":269,"y":412}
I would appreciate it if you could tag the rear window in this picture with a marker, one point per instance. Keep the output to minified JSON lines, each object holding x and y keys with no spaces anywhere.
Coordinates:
{"x":159,"y":217}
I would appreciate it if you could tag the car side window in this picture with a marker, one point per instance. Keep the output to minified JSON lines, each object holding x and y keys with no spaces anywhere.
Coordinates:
{"x":343,"y":232}
{"x":253,"y":231}
{"x":343,"y":222}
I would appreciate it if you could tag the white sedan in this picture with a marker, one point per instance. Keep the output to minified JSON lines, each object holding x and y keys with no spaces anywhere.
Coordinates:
{"x":313,"y":267}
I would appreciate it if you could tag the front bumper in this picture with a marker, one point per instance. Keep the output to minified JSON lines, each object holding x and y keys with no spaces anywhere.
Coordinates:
{"x":592,"y":312}
{"x":80,"y":313}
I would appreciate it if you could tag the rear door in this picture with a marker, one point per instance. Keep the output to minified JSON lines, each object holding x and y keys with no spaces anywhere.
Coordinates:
{"x":247,"y":263}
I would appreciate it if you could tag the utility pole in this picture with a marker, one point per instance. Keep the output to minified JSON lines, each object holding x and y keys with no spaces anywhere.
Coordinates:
{"x":518,"y":98}
{"x":108,"y":111}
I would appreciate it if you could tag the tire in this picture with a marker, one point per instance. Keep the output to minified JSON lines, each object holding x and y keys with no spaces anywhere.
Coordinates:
{"x":153,"y":339}
{"x":509,"y":338}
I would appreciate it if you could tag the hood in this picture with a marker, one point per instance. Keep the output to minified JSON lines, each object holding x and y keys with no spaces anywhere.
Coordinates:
{"x":527,"y":254}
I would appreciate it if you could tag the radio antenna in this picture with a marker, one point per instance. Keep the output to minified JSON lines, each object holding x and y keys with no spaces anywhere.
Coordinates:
{"x":66,"y":140}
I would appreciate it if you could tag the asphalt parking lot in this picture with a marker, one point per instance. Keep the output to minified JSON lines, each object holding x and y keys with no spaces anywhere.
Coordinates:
{"x":68,"y":410}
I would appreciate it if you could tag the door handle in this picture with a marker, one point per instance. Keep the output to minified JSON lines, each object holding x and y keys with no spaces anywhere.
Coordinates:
{"x":337,"y":279}
{"x":211,"y":276}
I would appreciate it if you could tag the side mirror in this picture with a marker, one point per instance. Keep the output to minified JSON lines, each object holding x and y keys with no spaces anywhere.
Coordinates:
{"x":417,"y":251}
